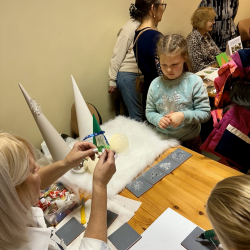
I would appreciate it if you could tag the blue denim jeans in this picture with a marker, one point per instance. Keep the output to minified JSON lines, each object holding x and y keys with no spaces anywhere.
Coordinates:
{"x":132,"y":99}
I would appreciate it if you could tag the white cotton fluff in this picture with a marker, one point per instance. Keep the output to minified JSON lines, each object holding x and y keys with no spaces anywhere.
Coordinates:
{"x":145,"y":145}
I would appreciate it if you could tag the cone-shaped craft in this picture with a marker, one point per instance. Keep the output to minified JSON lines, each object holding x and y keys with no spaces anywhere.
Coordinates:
{"x":56,"y":145}
{"x":84,"y":117}
{"x":99,"y":140}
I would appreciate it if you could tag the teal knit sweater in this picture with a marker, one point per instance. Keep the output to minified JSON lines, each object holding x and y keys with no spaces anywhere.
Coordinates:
{"x":186,"y":94}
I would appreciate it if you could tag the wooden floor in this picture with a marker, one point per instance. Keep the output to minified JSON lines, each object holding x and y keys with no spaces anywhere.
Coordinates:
{"x":185,"y":190}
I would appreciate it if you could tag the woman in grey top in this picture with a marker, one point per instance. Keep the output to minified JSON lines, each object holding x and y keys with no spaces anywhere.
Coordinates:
{"x":123,"y":70}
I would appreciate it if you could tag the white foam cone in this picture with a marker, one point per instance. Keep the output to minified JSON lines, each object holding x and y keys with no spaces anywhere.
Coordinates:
{"x":55,"y":143}
{"x":84,"y":117}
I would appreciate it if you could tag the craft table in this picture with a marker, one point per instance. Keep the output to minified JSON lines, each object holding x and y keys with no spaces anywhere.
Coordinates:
{"x":185,"y":190}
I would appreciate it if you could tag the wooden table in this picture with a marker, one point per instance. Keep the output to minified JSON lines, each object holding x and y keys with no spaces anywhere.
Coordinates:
{"x":185,"y":190}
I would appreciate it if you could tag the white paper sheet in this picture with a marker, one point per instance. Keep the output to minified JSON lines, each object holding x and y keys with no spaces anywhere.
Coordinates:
{"x":167,"y":232}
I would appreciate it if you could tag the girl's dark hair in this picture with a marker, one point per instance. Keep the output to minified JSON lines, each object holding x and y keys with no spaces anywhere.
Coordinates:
{"x":240,"y":93}
{"x":140,"y":9}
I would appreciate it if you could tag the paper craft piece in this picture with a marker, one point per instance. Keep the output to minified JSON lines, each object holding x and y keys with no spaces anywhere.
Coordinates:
{"x":153,"y":175}
{"x":57,"y":146}
{"x":192,"y":243}
{"x":235,"y":45}
{"x":179,"y":155}
{"x":167,"y":165}
{"x":166,"y":232}
{"x":111,"y":216}
{"x":222,"y":59}
{"x":139,"y":186}
{"x":99,"y":140}
{"x":84,"y":117}
{"x":125,"y":237}
{"x":70,"y":231}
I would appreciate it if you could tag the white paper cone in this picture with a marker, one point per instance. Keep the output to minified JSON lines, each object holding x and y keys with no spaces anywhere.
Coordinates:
{"x":57,"y":146}
{"x":84,"y":117}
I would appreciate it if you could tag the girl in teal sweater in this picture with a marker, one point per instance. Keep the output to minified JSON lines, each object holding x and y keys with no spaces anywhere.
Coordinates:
{"x":177,"y":102}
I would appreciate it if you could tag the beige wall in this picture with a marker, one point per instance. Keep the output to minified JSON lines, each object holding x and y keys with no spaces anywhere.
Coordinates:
{"x":43,"y":42}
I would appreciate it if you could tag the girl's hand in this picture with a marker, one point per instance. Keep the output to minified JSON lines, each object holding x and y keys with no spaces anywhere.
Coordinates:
{"x":176,"y":118}
{"x":164,"y":122}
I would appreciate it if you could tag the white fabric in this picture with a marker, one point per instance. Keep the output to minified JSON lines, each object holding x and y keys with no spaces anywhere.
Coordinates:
{"x":145,"y":145}
{"x":238,"y":133}
{"x":92,"y":244}
{"x":39,"y":237}
{"x":123,"y":58}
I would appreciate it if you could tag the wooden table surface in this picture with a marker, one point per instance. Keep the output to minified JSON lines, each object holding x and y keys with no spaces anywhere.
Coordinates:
{"x":185,"y":190}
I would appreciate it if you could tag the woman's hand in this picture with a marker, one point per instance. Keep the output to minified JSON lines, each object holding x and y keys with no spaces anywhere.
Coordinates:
{"x":105,"y":168}
{"x":79,"y":151}
{"x":112,"y":89}
{"x":164,"y":122}
{"x":176,"y":118}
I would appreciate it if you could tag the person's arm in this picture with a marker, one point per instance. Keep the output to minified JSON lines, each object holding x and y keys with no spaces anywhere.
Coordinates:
{"x":104,"y":170}
{"x":152,"y":114}
{"x":120,"y":50}
{"x":201,"y":112}
{"x":49,"y":174}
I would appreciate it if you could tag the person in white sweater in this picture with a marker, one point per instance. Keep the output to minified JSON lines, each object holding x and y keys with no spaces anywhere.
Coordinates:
{"x":123,"y":70}
{"x":22,"y":226}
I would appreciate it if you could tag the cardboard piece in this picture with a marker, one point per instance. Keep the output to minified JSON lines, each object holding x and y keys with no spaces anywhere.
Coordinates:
{"x":57,"y":146}
{"x":222,"y":59}
{"x":84,"y":117}
{"x":111,"y":216}
{"x":179,"y":155}
{"x":124,"y":237}
{"x":167,"y":165}
{"x":192,"y":243}
{"x":234,"y":45}
{"x":139,"y":186}
{"x":153,"y":175}
{"x":70,"y":231}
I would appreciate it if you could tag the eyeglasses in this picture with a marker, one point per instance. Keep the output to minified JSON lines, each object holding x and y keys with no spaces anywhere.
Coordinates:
{"x":212,"y":21}
{"x":164,"y":5}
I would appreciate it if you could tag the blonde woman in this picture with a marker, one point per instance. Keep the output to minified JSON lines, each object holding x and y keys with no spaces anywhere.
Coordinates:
{"x":201,"y":47}
{"x":228,"y":209}
{"x":22,"y":226}
{"x":224,"y":28}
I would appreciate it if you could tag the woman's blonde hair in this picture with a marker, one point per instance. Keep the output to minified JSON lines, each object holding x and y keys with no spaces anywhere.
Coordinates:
{"x":201,"y":16}
{"x":174,"y":44}
{"x":15,"y":153}
{"x":228,"y":209}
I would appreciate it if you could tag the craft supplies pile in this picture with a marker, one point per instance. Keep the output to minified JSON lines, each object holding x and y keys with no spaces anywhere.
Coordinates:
{"x":57,"y":202}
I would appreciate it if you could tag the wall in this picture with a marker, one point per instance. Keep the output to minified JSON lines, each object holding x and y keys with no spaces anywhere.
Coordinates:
{"x":43,"y":42}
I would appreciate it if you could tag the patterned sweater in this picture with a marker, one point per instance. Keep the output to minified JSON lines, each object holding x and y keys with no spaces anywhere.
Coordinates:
{"x":186,"y":94}
{"x":202,"y":50}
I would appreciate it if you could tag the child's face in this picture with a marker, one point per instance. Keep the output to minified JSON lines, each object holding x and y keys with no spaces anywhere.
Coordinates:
{"x":172,"y":65}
